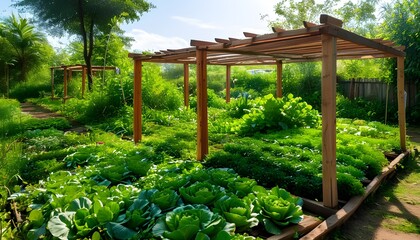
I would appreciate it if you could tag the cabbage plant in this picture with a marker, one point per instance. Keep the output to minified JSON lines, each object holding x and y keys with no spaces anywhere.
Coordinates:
{"x":277,"y":208}
{"x":192,"y":222}
{"x":236,"y":211}
{"x":201,"y":193}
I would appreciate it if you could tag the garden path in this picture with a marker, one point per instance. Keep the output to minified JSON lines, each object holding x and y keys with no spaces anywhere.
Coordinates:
{"x":37,"y":111}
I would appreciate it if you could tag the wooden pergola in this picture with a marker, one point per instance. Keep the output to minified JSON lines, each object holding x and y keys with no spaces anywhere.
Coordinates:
{"x":326,"y":42}
{"x":68,"y":74}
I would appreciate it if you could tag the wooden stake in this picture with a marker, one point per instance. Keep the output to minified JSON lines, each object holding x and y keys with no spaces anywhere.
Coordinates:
{"x":202,"y":118}
{"x":279,"y":87}
{"x":329,"y":71}
{"x":186,"y":85}
{"x":228,"y":76}
{"x":137,"y":101}
{"x":401,"y":102}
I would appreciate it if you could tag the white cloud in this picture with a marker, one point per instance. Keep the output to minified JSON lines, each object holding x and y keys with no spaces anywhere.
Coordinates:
{"x":195,"y":22}
{"x":145,"y":41}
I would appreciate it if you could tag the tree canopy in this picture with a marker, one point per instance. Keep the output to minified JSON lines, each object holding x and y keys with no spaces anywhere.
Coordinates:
{"x":84,"y":18}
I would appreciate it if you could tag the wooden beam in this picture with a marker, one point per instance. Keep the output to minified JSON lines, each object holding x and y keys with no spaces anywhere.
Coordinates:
{"x":277,"y":29}
{"x":186,"y":85}
{"x":228,"y":76}
{"x":308,"y":24}
{"x":329,"y":71}
{"x":199,"y":43}
{"x":352,"y":37}
{"x":248,"y":34}
{"x":326,"y":19}
{"x":401,"y":102}
{"x":279,"y":86}
{"x":202,"y":118}
{"x":137,"y":101}
{"x":221,"y":40}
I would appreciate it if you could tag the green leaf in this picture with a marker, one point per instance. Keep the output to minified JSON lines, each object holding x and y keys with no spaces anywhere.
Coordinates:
{"x":118,"y":231}
{"x":104,"y":215}
{"x":36,"y":218}
{"x":82,"y":202}
{"x":271,"y":227}
{"x":36,"y":233}
{"x":61,"y":225}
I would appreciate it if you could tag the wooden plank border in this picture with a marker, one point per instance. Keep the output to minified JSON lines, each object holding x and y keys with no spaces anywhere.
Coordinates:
{"x":353,"y":204}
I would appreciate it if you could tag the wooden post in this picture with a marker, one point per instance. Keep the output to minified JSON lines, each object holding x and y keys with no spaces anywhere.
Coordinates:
{"x":65,"y":83}
{"x":279,"y":87}
{"x":52,"y":83}
{"x":83,"y":81}
{"x":186,"y":84}
{"x":401,"y":102}
{"x":228,"y":76}
{"x":202,"y":118}
{"x":70,"y":75}
{"x":137,"y":104}
{"x":329,"y":71}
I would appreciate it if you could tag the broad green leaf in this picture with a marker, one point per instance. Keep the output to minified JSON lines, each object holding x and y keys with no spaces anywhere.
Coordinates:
{"x":82,"y":202}
{"x":36,"y":218}
{"x":36,"y":233}
{"x":104,"y":215}
{"x":118,"y":231}
{"x":61,"y":225}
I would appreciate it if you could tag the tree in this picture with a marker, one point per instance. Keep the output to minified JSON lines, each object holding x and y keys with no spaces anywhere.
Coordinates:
{"x":402,"y":26}
{"x":25,"y":43}
{"x":357,"y":16}
{"x":84,"y":18}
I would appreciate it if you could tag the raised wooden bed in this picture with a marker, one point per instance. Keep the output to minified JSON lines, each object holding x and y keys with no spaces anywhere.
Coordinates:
{"x":313,"y":228}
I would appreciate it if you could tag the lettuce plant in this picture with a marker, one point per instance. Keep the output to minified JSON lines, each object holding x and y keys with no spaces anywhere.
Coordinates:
{"x":241,"y":186}
{"x":201,"y":193}
{"x":236,"y":211}
{"x":192,"y":222}
{"x":277,"y":208}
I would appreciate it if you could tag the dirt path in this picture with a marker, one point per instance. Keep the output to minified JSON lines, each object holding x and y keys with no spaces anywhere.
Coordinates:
{"x":393,"y":212}
{"x":40,"y":112}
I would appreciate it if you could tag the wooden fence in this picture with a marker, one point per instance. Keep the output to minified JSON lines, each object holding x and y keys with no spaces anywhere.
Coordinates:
{"x":375,"y":89}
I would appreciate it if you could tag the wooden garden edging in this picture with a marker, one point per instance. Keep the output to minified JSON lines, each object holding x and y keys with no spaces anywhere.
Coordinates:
{"x":353,"y":204}
{"x":312,"y":228}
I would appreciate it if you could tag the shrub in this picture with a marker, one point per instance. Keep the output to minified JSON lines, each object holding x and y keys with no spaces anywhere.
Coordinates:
{"x":269,"y":113}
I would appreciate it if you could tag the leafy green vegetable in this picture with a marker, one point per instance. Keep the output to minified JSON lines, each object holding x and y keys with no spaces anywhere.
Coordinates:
{"x":277,"y":208}
{"x":237,"y":211}
{"x":201,"y":193}
{"x":191,"y":222}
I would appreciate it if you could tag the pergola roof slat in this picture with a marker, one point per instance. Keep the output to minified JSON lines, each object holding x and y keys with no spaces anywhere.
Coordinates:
{"x":298,"y":45}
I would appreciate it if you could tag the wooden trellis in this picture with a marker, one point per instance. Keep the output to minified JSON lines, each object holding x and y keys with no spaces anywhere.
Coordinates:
{"x":68,"y":74}
{"x":326,"y":42}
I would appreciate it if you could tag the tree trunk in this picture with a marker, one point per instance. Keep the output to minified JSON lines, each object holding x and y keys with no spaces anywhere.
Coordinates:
{"x":87,"y":46}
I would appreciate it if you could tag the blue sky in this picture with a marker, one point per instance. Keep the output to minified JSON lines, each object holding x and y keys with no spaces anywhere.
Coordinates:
{"x":173,"y":23}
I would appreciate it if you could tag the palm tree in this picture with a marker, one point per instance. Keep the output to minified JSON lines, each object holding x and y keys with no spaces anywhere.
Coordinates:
{"x":25,"y":42}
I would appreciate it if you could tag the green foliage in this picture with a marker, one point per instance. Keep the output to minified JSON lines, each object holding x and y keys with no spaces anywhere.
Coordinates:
{"x":158,"y":94}
{"x":257,"y":85}
{"x":192,"y":222}
{"x":237,"y":211}
{"x":277,"y":208}
{"x":201,"y":193}
{"x":269,"y":113}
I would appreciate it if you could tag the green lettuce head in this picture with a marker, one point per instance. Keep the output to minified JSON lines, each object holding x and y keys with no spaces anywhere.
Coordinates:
{"x":236,"y":211}
{"x":278,"y":208}
{"x":201,"y":193}
{"x":192,"y":222}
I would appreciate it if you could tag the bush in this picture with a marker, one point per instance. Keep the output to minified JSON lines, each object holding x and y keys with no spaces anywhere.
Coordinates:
{"x":271,"y":113}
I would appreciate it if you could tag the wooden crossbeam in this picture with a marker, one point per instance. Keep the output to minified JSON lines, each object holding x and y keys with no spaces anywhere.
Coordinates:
{"x":278,"y":29}
{"x":248,"y":34}
{"x":307,"y":24}
{"x":221,"y":40}
{"x":326,"y":19}
{"x":199,"y":43}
